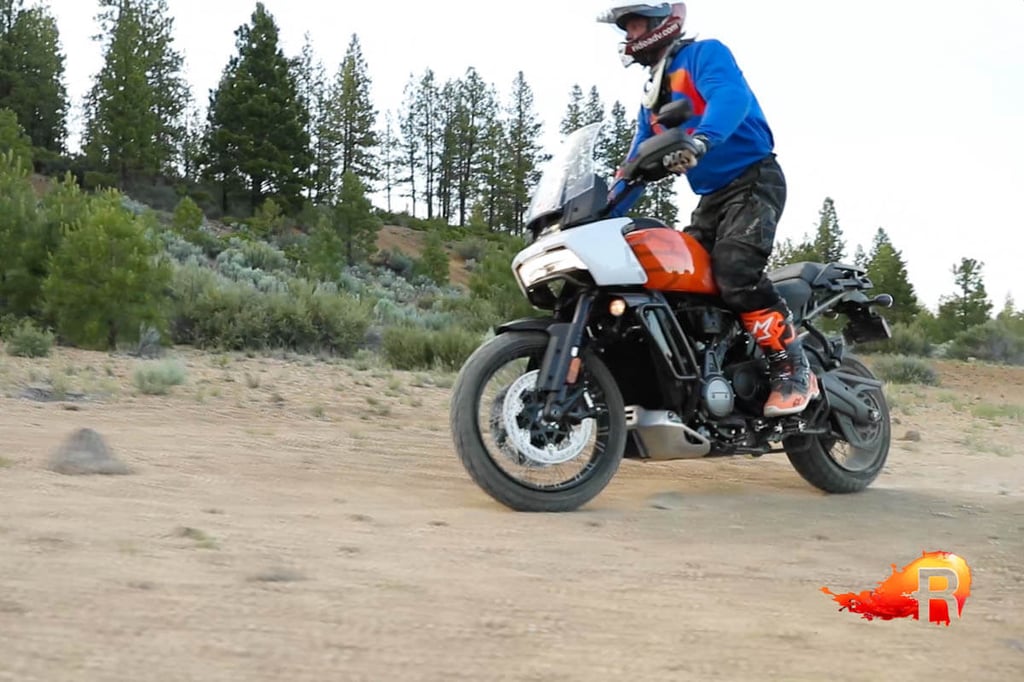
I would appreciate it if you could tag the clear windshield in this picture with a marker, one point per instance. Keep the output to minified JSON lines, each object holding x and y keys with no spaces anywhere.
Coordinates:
{"x":568,"y":174}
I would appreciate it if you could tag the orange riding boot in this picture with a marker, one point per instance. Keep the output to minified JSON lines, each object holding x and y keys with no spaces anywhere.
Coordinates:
{"x":793,"y":384}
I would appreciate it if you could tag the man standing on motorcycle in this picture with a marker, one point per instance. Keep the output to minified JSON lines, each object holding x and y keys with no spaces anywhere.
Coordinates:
{"x":732,"y":166}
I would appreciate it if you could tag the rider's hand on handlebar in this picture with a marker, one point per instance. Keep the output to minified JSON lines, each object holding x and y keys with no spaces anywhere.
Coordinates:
{"x":683,"y":160}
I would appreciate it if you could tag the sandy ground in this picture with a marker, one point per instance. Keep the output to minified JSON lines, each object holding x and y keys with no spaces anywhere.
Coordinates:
{"x":292,"y":519}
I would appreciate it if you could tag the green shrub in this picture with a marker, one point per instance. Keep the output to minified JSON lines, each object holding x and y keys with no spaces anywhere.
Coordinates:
{"x":433,"y":262}
{"x":472,"y":313}
{"x":27,"y":340}
{"x":493,"y":281}
{"x":21,"y":234}
{"x":900,"y":369}
{"x":910,"y":340}
{"x":157,"y":378}
{"x":993,"y":341}
{"x":188,"y":217}
{"x":13,"y":139}
{"x":106,"y":280}
{"x":409,"y":348}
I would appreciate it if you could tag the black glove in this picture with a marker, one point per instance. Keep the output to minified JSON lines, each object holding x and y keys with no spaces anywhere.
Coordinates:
{"x":683,"y":160}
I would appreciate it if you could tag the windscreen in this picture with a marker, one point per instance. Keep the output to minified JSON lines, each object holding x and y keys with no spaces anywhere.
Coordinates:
{"x":568,"y":174}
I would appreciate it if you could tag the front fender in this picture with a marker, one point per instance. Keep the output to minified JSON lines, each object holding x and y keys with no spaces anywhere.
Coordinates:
{"x":526,"y":324}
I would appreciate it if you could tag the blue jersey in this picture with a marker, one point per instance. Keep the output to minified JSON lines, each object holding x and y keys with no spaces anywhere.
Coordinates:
{"x":725,"y":110}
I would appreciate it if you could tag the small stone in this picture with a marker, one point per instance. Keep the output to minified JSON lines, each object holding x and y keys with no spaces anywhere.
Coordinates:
{"x":914,"y":436}
{"x":85,"y":453}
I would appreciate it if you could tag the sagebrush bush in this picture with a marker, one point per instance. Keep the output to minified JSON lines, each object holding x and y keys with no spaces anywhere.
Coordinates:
{"x":472,"y":249}
{"x":397,"y":261}
{"x":901,"y":369}
{"x":211,"y":311}
{"x":157,"y":378}
{"x":25,"y":339}
{"x":409,"y":348}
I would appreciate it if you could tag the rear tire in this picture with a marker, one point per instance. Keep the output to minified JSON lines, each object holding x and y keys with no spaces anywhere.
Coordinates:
{"x":811,"y":455}
{"x":474,"y":455}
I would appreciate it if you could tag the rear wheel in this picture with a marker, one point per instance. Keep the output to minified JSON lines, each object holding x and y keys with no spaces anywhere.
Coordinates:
{"x":520,"y":459}
{"x":832,"y":464}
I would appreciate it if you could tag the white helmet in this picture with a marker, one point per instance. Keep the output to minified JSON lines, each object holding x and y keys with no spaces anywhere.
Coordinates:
{"x":664,"y":25}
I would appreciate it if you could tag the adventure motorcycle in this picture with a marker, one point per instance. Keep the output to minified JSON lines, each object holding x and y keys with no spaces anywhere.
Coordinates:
{"x":638,"y":358}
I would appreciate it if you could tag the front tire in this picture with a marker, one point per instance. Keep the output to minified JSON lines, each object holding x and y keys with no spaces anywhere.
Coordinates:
{"x":813,"y":456}
{"x":482,"y":466}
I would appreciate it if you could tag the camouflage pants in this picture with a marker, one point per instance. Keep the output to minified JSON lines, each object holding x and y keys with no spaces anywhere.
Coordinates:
{"x":736,"y":224}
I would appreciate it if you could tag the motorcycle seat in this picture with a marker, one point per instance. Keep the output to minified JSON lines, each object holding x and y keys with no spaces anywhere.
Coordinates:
{"x":805,"y":271}
{"x":796,"y":293}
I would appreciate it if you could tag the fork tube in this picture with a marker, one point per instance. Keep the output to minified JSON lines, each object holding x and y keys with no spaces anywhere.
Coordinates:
{"x":564,"y":344}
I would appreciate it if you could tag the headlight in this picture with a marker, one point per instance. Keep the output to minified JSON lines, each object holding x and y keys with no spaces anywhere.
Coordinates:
{"x":544,"y":265}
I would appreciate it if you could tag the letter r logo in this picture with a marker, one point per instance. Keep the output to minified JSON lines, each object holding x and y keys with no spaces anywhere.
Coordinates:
{"x":925,"y":594}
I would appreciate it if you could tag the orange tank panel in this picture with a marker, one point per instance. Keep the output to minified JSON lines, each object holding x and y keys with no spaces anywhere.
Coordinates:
{"x":674,"y":261}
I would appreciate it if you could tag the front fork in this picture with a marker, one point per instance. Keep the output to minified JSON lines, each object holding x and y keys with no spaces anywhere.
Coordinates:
{"x":560,"y":367}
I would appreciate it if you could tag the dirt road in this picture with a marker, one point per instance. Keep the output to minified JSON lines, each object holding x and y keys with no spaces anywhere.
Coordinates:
{"x":297,"y":520}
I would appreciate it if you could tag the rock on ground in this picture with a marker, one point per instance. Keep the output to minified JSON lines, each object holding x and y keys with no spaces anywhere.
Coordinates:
{"x":85,"y":453}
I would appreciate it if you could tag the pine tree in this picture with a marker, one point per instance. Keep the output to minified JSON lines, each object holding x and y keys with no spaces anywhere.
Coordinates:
{"x":828,"y":240}
{"x":426,"y":126}
{"x":32,"y":68}
{"x":190,"y":152}
{"x":860,"y":257}
{"x":389,"y":157}
{"x":786,"y":252}
{"x":478,"y":107}
{"x":135,"y":108}
{"x":257,"y":134}
{"x":524,"y":152}
{"x":311,"y":81}
{"x":616,"y":139}
{"x":659,"y":200}
{"x":353,"y":220}
{"x":351,"y":119}
{"x":573,"y":117}
{"x":466,"y":108}
{"x":888,"y":273}
{"x":593,"y":110}
{"x":449,"y":111}
{"x":969,"y":306}
{"x":410,"y":145}
{"x":494,"y":181}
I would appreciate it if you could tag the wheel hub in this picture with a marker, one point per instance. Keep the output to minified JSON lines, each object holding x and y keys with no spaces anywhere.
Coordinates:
{"x":537,"y":440}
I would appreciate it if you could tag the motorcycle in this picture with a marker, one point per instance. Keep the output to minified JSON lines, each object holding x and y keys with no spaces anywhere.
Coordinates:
{"x":637,"y":358}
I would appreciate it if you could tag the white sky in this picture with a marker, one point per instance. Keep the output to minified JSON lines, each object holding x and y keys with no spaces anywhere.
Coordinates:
{"x":909,"y":113}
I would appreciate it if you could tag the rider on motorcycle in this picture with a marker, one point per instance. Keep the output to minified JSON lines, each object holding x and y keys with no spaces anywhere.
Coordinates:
{"x":732,"y":166}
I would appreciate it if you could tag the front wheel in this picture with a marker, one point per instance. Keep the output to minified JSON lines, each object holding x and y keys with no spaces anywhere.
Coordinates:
{"x":517,"y":457}
{"x":833,"y":465}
